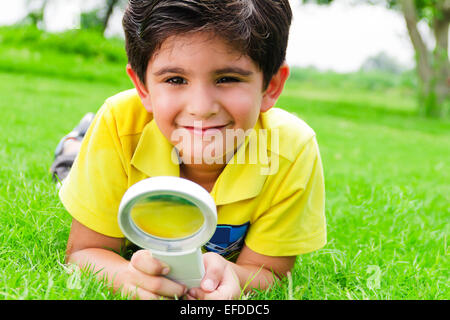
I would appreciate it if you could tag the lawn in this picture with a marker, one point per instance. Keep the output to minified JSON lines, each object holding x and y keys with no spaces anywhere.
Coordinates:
{"x":387,"y":173}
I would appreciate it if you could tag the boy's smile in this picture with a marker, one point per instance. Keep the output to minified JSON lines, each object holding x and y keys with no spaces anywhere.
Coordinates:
{"x":198,"y":89}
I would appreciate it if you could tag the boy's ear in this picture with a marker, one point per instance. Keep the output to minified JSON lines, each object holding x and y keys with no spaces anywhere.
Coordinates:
{"x":275,"y":87}
{"x":140,"y":88}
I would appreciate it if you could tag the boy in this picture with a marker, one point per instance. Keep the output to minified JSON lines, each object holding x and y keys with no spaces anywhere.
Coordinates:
{"x":201,"y":69}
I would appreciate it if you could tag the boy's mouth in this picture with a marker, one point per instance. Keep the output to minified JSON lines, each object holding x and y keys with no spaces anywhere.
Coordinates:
{"x":206,"y":130}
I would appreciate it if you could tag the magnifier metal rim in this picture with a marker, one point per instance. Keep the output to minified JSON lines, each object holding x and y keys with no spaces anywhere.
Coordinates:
{"x":174,"y":186}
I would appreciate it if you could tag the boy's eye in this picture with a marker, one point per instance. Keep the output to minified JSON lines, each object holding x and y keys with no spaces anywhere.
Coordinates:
{"x":227,"y":79}
{"x":176,"y":80}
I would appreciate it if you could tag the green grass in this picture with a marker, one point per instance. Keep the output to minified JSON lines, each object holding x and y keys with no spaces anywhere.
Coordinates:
{"x":386,"y":171}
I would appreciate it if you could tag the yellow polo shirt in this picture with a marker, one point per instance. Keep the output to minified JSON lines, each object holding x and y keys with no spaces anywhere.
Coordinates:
{"x":274,"y":202}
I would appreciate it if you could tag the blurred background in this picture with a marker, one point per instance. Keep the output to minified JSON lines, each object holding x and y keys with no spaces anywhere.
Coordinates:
{"x":342,"y":36}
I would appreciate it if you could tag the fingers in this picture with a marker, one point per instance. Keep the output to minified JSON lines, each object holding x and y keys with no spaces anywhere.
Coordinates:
{"x":143,"y":261}
{"x":220,"y":281}
{"x":223,"y":292}
{"x":214,"y":269}
{"x":156,"y":287}
{"x":163,"y":287}
{"x":142,"y":294}
{"x":187,"y":296}
{"x":147,"y":277}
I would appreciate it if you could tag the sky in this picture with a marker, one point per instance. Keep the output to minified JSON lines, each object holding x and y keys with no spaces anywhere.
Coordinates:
{"x":339,"y":37}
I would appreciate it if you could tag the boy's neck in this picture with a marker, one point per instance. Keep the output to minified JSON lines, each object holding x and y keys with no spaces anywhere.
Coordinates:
{"x":204,"y":175}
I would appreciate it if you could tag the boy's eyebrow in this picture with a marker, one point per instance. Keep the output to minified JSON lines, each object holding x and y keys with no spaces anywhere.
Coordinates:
{"x":169,"y":70}
{"x":236,"y":70}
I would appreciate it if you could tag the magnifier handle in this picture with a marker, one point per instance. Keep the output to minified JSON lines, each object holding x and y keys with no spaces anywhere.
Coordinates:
{"x":186,"y":268}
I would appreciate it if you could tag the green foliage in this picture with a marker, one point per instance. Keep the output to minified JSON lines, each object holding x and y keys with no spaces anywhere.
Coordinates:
{"x":426,"y":9}
{"x":74,"y":54}
{"x":364,"y":80}
{"x":77,"y":42}
{"x":91,"y":20}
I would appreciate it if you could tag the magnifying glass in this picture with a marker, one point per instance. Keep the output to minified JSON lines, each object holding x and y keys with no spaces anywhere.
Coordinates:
{"x":173,"y":218}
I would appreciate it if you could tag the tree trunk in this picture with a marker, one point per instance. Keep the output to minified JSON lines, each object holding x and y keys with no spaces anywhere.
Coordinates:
{"x":441,"y":62}
{"x":432,"y":68}
{"x":37,"y":16}
{"x":109,"y":10}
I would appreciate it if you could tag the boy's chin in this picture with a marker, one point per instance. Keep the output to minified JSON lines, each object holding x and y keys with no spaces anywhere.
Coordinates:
{"x":212,"y":158}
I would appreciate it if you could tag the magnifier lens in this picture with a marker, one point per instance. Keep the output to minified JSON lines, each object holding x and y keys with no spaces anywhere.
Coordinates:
{"x":167,"y":217}
{"x":172,"y":217}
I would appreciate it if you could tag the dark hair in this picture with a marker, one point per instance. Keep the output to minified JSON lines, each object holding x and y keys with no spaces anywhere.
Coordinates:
{"x":256,"y":28}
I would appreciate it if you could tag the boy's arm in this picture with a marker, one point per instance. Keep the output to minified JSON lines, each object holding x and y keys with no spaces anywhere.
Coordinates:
{"x":142,"y":276}
{"x":227,"y":280}
{"x":89,"y":249}
{"x":265,"y":267}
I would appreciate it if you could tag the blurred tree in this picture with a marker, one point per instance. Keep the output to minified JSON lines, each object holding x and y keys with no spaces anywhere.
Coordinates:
{"x":433,"y":66}
{"x":98,"y":18}
{"x":92,"y":20}
{"x":110,"y":4}
{"x":35,"y":14}
{"x":383,"y":62}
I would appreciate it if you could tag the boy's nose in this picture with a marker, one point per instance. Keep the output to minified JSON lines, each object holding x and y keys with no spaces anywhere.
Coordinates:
{"x":202,"y":103}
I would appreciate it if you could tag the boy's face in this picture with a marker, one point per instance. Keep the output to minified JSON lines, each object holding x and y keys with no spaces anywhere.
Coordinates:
{"x":199,"y":90}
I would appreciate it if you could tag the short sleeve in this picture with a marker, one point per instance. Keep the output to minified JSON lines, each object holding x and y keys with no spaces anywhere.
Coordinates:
{"x":295,"y":222}
{"x":92,"y":191}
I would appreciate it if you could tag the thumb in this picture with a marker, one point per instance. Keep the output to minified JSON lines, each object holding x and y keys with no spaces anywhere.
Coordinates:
{"x":214,"y":269}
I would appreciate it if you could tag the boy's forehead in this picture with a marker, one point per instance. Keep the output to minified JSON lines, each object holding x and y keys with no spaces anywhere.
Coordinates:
{"x":186,"y":48}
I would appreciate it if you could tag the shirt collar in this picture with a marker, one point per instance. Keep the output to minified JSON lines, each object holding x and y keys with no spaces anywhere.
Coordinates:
{"x":153,"y":154}
{"x":243,"y":177}
{"x":240,"y":180}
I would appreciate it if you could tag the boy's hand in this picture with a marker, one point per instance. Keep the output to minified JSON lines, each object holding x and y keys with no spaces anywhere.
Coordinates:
{"x":144,"y":278}
{"x":220,"y":281}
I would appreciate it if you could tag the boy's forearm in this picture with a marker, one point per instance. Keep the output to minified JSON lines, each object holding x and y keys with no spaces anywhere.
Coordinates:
{"x":102,"y":262}
{"x":106,"y":263}
{"x":251,"y":276}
